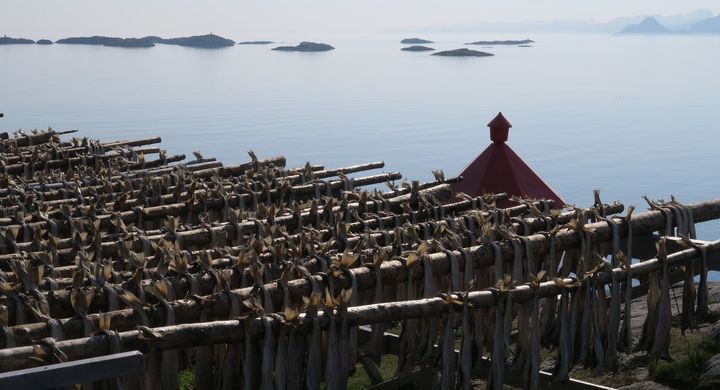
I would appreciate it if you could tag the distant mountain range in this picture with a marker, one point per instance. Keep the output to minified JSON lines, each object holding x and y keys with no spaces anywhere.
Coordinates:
{"x":651,"y":25}
{"x":674,"y":23}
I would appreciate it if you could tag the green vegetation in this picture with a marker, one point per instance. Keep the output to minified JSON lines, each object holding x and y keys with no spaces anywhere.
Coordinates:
{"x":685,"y":370}
{"x":186,"y":378}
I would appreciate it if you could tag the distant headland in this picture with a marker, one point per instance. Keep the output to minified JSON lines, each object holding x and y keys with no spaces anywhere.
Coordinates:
{"x":306,"y":47}
{"x":496,"y":43}
{"x":415,"y":41}
{"x":650,"y":25}
{"x":463,"y":53}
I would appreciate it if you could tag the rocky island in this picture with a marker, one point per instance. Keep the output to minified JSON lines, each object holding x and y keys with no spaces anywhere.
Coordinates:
{"x":495,"y":43}
{"x":415,"y":41}
{"x":94,"y":40}
{"x":417,"y":48}
{"x":44,"y":42}
{"x":463,"y":53}
{"x":6,"y":40}
{"x":255,"y":43}
{"x":209,"y":41}
{"x":306,"y":47}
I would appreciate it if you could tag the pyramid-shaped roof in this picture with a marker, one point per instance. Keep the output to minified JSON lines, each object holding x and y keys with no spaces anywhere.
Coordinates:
{"x":499,"y":169}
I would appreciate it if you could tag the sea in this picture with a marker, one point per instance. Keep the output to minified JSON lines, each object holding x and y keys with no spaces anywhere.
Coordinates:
{"x":629,"y":115}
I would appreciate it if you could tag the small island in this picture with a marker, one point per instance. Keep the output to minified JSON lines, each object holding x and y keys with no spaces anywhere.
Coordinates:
{"x":131,"y":43}
{"x":6,"y":40}
{"x":306,"y":47}
{"x":255,"y":43}
{"x":494,"y":43}
{"x":524,"y":45}
{"x":417,"y":48}
{"x":208,"y":41}
{"x":44,"y":42}
{"x":415,"y":41}
{"x":94,"y":40}
{"x":463,"y":53}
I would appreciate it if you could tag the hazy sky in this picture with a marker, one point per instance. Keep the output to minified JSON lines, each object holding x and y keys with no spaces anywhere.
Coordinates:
{"x":60,"y":18}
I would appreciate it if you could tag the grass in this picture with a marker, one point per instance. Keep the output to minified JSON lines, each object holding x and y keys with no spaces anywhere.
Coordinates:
{"x":685,"y":370}
{"x":186,"y":378}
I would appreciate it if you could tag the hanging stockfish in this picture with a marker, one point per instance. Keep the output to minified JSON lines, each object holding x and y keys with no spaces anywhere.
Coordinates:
{"x":313,"y":372}
{"x":151,"y":378}
{"x":374,"y":347}
{"x":268,"y":360}
{"x":521,"y":360}
{"x":169,"y":369}
{"x":702,"y":310}
{"x":496,"y":378}
{"x":332,"y":361}
{"x":447,"y":344}
{"x":565,"y":357}
{"x":466,"y":348}
{"x":534,"y":366}
{"x":612,"y":325}
{"x":625,"y":339}
{"x":549,"y":306}
{"x":252,"y":364}
{"x":295,"y":352}
{"x":651,"y":320}
{"x":599,"y":323}
{"x":408,"y":348}
{"x":430,"y":327}
{"x":661,"y":342}
{"x":231,"y":366}
{"x":204,"y":357}
{"x":348,"y":335}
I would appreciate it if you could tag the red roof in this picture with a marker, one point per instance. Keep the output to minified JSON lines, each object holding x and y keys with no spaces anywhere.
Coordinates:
{"x":499,"y":169}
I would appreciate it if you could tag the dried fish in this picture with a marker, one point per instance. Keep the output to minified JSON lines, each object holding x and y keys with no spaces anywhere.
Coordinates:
{"x":466,"y":349}
{"x":661,"y":343}
{"x":564,"y":359}
{"x":447,"y":381}
{"x":625,"y":338}
{"x":496,"y":379}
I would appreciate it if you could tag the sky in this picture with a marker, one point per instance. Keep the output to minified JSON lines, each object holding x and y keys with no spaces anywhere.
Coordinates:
{"x":56,"y":19}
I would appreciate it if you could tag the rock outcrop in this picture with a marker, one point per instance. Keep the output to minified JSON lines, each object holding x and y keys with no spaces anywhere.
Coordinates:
{"x":415,"y":41}
{"x":417,"y":48}
{"x":306,"y":47}
{"x":463,"y":53}
{"x":208,"y":41}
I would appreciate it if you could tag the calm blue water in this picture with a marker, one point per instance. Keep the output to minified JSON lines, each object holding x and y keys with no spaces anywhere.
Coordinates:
{"x":629,"y":115}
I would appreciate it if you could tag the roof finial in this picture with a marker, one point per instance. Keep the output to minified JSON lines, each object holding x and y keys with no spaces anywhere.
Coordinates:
{"x":499,"y":129}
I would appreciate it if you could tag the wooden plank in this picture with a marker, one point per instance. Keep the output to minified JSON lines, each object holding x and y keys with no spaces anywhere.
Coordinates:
{"x":78,"y":371}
